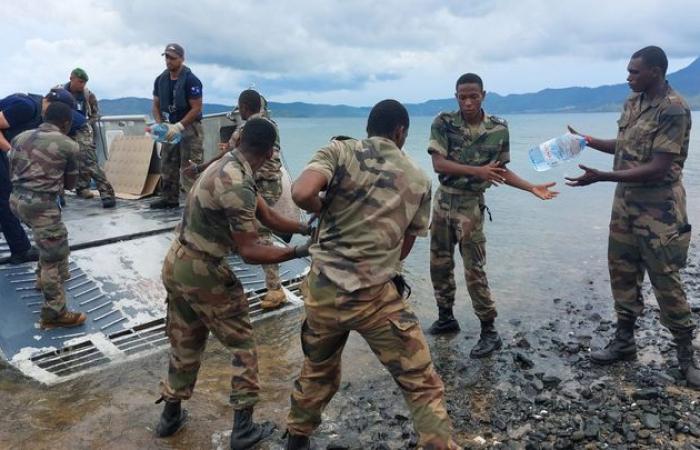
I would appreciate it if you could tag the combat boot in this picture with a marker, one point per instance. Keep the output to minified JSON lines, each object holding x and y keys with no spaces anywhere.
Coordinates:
{"x":621,"y":347}
{"x":687,"y":359}
{"x":172,"y":419}
{"x":273,"y":299}
{"x":297,"y":442}
{"x":246,"y":433}
{"x":85,"y":193}
{"x":30,"y":255}
{"x":108,"y":202}
{"x":446,"y":322}
{"x":66,"y":320}
{"x":489,"y":341}
{"x":161,"y":203}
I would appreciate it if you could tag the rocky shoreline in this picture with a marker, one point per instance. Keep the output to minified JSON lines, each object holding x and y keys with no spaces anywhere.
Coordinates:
{"x":541,"y":390}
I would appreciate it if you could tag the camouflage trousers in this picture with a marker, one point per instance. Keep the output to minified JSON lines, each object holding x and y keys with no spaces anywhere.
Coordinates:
{"x":204,"y":296}
{"x":42,"y":214}
{"x":393,"y":333}
{"x":88,"y":167}
{"x":458,"y":220}
{"x":649,"y":232}
{"x":175,"y":157}
{"x":271,"y":190}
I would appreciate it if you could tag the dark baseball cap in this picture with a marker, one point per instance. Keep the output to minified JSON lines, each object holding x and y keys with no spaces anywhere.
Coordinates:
{"x":174,"y":50}
{"x":61,"y":95}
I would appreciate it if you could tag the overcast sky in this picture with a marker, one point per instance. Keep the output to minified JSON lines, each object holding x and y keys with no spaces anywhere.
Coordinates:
{"x":353,"y":52}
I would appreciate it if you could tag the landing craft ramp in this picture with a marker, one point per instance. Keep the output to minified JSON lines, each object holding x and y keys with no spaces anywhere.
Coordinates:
{"x":115,"y":264}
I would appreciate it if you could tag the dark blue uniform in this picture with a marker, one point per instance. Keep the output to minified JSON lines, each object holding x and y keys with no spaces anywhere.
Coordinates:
{"x":22,"y":112}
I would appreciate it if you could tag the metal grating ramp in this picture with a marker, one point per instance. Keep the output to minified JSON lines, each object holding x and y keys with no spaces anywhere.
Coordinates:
{"x":118,"y":286}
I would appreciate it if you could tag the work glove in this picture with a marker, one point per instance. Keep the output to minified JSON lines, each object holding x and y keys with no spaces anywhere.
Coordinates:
{"x":174,"y":130}
{"x":302,"y":251}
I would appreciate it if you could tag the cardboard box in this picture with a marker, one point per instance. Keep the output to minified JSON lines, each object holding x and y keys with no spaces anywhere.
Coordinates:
{"x":133,"y":166}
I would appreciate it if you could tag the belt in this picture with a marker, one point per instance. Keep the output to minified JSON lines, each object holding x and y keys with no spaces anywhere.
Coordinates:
{"x":21,"y":190}
{"x":455,"y":191}
{"x":650,"y":185}
{"x":182,"y":248}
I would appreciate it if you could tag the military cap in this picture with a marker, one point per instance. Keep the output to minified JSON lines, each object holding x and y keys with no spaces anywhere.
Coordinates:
{"x":174,"y":50}
{"x":80,"y":73}
{"x":61,"y":95}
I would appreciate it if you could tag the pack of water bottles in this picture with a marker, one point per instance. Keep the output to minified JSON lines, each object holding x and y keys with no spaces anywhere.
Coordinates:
{"x":158,"y":132}
{"x":555,"y":151}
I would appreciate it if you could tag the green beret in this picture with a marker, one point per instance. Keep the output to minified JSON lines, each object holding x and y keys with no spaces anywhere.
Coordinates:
{"x":80,"y":73}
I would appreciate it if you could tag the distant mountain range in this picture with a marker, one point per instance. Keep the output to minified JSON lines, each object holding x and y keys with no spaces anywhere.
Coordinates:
{"x":573,"y":99}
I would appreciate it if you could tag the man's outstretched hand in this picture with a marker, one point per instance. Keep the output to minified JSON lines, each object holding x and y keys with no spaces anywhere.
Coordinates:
{"x":589,"y":176}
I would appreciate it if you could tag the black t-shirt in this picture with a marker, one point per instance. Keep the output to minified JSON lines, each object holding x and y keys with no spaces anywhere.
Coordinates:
{"x":193,"y":90}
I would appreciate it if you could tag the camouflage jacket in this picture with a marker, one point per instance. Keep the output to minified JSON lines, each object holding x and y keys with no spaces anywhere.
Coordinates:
{"x":661,"y":125}
{"x":451,"y":137}
{"x":222,"y":201}
{"x":375,"y":195}
{"x":41,"y":158}
{"x":271,"y":170}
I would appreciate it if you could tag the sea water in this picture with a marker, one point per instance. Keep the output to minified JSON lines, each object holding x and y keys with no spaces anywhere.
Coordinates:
{"x":529,"y":240}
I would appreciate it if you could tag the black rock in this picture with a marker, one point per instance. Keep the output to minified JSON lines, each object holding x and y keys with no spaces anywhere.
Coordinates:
{"x":523,"y":361}
{"x":651,"y":421}
{"x":645,"y":394}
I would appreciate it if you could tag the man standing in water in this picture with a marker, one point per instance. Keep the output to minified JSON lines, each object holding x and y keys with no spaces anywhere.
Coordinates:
{"x":377,"y":201}
{"x":203,"y":293}
{"x":177,"y":100}
{"x":649,"y":229}
{"x":469,"y":150}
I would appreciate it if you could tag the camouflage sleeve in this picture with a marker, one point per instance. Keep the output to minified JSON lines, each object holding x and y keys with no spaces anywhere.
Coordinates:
{"x":73,"y":149}
{"x":94,"y":106}
{"x":438,"y":137}
{"x":504,"y":155}
{"x":238,"y":203}
{"x":673,"y":125}
{"x":326,"y":160}
{"x":421,"y":221}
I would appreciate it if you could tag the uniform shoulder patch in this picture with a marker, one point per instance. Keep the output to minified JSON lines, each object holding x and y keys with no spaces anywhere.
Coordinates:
{"x":499,"y":120}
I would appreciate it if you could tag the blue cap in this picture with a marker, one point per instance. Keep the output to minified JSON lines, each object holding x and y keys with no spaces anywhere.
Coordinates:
{"x":61,"y":95}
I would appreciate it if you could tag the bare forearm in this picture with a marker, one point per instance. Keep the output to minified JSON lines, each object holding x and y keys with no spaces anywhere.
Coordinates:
{"x":191,"y":116}
{"x":447,"y":167}
{"x":311,"y":204}
{"x":646,"y":173}
{"x":5,"y":145}
{"x":277,"y":222}
{"x":156,"y":113}
{"x":512,"y":179}
{"x":266,"y":254}
{"x":602,"y":145}
{"x":407,"y":245}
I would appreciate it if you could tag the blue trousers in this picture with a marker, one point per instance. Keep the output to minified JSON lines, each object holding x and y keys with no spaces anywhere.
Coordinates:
{"x":12,"y":229}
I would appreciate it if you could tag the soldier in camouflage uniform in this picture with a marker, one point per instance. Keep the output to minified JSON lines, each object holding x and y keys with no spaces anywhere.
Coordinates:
{"x":469,"y":150}
{"x":203,"y":293}
{"x":649,"y":229}
{"x":88,"y":166}
{"x":269,"y":181}
{"x":377,"y":201}
{"x":41,"y":160}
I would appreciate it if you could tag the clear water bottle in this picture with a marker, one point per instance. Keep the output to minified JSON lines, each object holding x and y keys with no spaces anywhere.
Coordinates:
{"x":158,"y":132}
{"x":555,"y":151}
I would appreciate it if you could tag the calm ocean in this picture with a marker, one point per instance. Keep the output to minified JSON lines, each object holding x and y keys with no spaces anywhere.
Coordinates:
{"x":536,"y":250}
